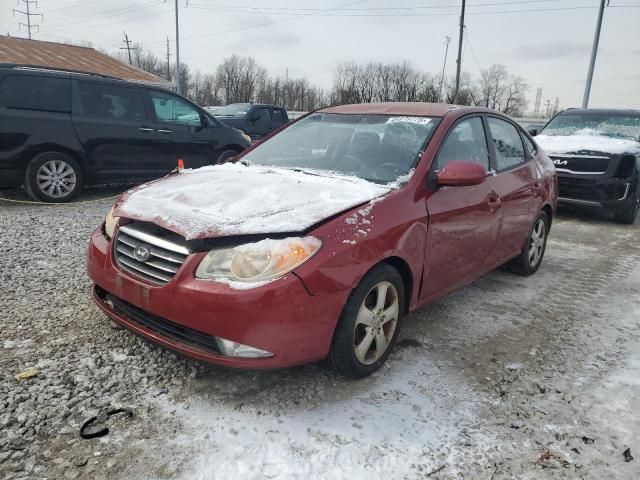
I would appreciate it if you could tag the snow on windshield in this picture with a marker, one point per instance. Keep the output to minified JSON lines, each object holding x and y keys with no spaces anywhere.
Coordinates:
{"x":595,"y":124}
{"x":586,"y":143}
{"x":234,"y":199}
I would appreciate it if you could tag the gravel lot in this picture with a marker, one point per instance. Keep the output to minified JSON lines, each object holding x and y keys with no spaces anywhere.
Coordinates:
{"x":511,"y":377}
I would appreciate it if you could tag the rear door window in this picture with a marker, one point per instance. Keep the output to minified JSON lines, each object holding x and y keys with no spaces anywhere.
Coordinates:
{"x":32,"y":92}
{"x":466,"y":142}
{"x":112,"y":102}
{"x":507,"y":143}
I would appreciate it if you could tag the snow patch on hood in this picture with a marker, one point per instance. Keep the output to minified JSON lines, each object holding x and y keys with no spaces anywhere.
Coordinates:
{"x":234,"y":199}
{"x":580,"y":143}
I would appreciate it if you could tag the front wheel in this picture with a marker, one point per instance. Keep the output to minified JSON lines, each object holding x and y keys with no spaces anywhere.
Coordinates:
{"x":226,"y":156}
{"x":368,"y":327}
{"x":53,"y":177}
{"x":629,"y":214}
{"x":528,"y":262}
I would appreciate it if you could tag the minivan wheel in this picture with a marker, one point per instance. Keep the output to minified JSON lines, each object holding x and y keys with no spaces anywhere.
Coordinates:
{"x":226,"y":156}
{"x":53,"y":177}
{"x":369,"y":324}
{"x":629,"y":214}
{"x":528,"y":262}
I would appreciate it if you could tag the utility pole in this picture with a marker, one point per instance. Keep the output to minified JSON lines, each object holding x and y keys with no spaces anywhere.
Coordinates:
{"x":178,"y":89}
{"x":594,"y":52}
{"x":168,"y":64}
{"x":459,"y":61}
{"x":548,"y":110}
{"x":556,"y":106}
{"x":447,"y":39}
{"x":128,"y":47}
{"x":28,"y":14}
{"x":536,"y":108}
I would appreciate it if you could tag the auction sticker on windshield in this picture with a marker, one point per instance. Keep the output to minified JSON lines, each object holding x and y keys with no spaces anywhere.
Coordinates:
{"x":420,"y":120}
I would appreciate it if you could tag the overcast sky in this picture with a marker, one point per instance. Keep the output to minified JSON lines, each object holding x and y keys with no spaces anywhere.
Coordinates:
{"x":550,"y":46}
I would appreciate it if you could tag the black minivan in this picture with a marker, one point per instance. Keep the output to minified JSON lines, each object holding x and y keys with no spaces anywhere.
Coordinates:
{"x":61,"y":130}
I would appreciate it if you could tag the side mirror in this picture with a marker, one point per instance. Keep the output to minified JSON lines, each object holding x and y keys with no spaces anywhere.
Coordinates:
{"x":254,"y":116}
{"x":533,"y":131}
{"x":461,"y":174}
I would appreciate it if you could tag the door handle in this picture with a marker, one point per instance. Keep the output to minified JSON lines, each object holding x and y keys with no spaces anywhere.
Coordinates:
{"x":145,"y":129}
{"x":494,"y":202}
{"x":165,"y":131}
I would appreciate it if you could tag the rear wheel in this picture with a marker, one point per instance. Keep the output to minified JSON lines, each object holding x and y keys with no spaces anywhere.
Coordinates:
{"x":528,"y":262}
{"x":369,"y":324}
{"x":629,"y":214}
{"x":53,"y":177}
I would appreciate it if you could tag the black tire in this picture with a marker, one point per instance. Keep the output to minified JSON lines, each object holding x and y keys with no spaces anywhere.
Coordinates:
{"x":629,"y":214}
{"x":226,"y":155}
{"x":523,"y":264}
{"x":342,"y":355}
{"x":66,"y":184}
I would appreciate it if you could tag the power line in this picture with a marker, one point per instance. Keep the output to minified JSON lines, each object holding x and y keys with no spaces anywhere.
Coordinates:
{"x":291,"y":11}
{"x":414,"y":14}
{"x":82,"y":19}
{"x":28,"y":14}
{"x":270,"y":22}
{"x":473,"y":53}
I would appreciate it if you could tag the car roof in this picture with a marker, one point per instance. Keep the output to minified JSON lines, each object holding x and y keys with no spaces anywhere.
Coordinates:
{"x":420,"y":109}
{"x":606,"y":111}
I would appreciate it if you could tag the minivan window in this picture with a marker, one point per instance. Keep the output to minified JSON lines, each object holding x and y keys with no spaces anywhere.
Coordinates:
{"x":32,"y":92}
{"x":111,"y":102}
{"x":467,"y":143}
{"x":507,"y":142}
{"x":172,"y":109}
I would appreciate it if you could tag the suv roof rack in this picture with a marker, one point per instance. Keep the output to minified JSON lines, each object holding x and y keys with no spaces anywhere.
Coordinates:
{"x":41,"y":68}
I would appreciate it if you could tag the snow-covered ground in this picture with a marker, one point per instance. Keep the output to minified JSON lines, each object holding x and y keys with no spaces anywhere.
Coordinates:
{"x":511,"y":377}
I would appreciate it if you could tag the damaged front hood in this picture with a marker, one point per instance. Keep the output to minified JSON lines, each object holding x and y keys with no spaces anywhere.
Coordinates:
{"x":579,"y":144}
{"x":233,"y":199}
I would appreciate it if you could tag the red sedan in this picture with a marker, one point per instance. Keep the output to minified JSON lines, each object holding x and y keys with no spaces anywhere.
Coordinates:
{"x":317,"y":240}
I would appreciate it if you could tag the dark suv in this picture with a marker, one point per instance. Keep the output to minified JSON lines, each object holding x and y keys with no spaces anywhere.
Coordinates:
{"x":254,"y":119}
{"x":61,"y":130}
{"x":596,"y":153}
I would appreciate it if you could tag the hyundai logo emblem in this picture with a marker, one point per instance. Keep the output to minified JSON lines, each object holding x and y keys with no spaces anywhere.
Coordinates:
{"x":141,"y":253}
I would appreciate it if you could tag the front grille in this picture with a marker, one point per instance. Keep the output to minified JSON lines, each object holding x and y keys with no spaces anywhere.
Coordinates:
{"x":581,"y":164}
{"x":577,"y":188}
{"x":160,"y":325}
{"x":149,"y":252}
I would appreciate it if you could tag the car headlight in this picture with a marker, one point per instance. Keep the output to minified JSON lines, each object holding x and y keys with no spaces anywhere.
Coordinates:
{"x":110,"y":223}
{"x":257,"y":262}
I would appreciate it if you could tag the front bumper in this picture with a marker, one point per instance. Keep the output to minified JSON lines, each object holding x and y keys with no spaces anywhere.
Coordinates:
{"x":595,"y":190}
{"x":280,"y":317}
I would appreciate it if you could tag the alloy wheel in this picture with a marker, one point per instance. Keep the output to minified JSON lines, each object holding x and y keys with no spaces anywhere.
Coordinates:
{"x":56,"y":178}
{"x":538,"y":238}
{"x":376,"y":322}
